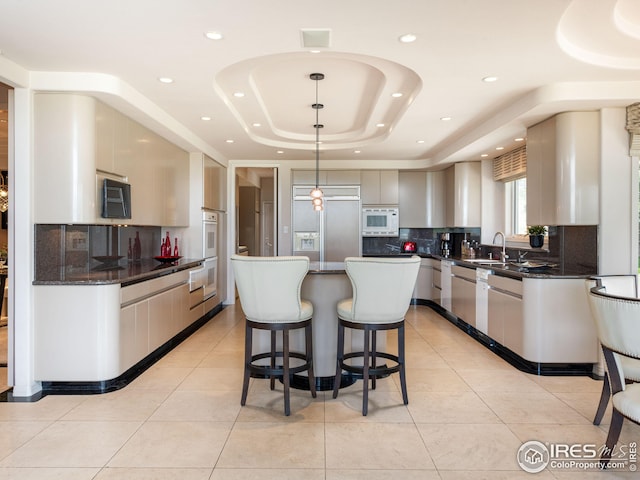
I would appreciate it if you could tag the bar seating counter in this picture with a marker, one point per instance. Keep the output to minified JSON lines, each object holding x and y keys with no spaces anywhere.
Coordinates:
{"x":324,"y":286}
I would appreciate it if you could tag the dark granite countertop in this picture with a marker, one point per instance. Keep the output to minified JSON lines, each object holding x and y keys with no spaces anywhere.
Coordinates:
{"x":127,"y":274}
{"x":515,"y":271}
{"x":508,"y":270}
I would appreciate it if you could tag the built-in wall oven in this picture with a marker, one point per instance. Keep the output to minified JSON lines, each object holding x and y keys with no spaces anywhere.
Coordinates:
{"x":203,"y":282}
{"x":209,"y":234}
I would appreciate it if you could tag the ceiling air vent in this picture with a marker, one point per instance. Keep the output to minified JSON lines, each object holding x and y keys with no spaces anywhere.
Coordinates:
{"x":316,"y":37}
{"x":510,"y":166}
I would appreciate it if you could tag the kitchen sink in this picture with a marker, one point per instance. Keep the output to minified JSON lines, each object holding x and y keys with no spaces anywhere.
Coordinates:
{"x":532,"y":265}
{"x":483,"y":261}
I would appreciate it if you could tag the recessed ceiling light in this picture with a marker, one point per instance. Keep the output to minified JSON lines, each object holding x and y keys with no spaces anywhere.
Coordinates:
{"x":205,"y":118}
{"x":519,"y":139}
{"x":165,"y":79}
{"x":214,"y":35}
{"x":396,"y":94}
{"x":229,"y":141}
{"x":419,"y":141}
{"x":445,"y":119}
{"x":499,"y":148}
{"x":407,"y":38}
{"x":379,"y":125}
{"x":489,"y":79}
{"x":238,"y":94}
{"x":279,"y":152}
{"x":256,"y":124}
{"x":356,"y":151}
{"x":484,"y":155}
{"x":314,"y":51}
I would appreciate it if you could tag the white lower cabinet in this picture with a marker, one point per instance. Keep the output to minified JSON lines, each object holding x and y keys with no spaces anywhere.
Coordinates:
{"x":424,"y":283}
{"x":505,"y":315}
{"x":463,"y":294}
{"x":158,"y":315}
{"x":557,"y":321}
{"x":91,"y":333}
{"x":436,"y":291}
{"x":543,"y":320}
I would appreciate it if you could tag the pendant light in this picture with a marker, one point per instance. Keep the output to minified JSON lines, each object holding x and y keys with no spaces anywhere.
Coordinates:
{"x":316,"y":193}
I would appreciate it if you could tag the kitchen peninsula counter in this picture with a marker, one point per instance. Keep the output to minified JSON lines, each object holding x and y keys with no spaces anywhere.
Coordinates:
{"x":134,"y":272}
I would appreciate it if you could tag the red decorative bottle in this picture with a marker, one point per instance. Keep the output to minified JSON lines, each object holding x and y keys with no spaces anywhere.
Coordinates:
{"x":175,"y":248}
{"x":137,"y":248}
{"x":167,"y":245}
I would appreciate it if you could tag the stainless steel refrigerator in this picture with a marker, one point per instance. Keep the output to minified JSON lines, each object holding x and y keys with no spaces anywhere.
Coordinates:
{"x":331,"y":234}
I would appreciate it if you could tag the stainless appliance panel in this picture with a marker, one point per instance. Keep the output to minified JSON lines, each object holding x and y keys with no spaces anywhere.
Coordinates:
{"x":331,"y":234}
{"x":341,"y":237}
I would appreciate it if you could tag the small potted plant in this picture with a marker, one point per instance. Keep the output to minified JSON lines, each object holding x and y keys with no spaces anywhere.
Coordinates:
{"x":536,"y":235}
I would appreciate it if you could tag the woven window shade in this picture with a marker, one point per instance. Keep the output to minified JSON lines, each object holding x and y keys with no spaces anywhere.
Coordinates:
{"x":511,"y":166}
{"x":633,"y":126}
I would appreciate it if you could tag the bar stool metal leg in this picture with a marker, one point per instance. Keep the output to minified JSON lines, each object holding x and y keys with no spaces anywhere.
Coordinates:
{"x":340,"y":359}
{"x":248,"y":345}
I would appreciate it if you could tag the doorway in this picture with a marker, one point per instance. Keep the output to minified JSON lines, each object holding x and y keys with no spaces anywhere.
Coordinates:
{"x":255,"y":211}
{"x":4,"y":236}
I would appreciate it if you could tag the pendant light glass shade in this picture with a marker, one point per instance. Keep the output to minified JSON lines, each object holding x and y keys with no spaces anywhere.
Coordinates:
{"x":316,"y":194}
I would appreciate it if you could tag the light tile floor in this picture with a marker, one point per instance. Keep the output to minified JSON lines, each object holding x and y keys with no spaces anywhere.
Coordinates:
{"x":468,"y":414}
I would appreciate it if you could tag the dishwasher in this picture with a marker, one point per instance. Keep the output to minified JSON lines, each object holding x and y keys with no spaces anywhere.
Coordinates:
{"x":482,"y":300}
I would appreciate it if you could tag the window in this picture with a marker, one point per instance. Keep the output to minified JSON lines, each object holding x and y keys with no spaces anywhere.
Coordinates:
{"x":516,"y":202}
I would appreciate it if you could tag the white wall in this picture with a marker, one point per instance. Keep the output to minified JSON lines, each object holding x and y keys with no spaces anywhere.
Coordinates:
{"x":618,"y":232}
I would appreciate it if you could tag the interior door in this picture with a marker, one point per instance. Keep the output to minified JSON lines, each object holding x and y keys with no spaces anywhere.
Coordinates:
{"x":267,"y":229}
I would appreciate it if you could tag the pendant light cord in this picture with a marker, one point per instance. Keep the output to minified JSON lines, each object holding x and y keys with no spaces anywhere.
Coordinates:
{"x":317,"y":136}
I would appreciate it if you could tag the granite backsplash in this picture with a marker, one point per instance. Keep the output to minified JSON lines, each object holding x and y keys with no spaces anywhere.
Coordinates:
{"x":572,"y":248}
{"x":83,"y":248}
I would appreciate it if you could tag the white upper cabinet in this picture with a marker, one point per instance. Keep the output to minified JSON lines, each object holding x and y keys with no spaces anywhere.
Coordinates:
{"x":214,"y":185}
{"x":421,"y":199}
{"x":412,"y":199}
{"x":64,"y":159}
{"x":562,"y":170}
{"x":379,"y":187}
{"x":436,"y":199}
{"x":326,"y":177}
{"x":78,"y":141}
{"x":463,"y":195}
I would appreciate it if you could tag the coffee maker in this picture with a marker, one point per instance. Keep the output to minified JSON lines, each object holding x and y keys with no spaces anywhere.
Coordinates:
{"x":445,"y":245}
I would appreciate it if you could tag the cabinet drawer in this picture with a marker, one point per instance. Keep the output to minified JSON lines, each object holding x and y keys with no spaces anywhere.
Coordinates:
{"x":142,"y":290}
{"x":506,"y":284}
{"x":464,"y":272}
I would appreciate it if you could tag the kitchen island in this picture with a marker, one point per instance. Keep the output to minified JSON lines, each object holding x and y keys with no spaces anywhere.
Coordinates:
{"x":324,"y":286}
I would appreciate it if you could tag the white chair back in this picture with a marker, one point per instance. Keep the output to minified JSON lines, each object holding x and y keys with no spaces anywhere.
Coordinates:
{"x":617,"y":321}
{"x":618,"y":285}
{"x":269,"y":287}
{"x":382,"y":287}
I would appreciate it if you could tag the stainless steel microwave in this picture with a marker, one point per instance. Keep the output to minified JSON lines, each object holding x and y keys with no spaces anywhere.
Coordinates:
{"x":380,"y":222}
{"x":116,"y":199}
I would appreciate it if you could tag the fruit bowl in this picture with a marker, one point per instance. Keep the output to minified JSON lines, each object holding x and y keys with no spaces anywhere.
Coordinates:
{"x":168,"y":258}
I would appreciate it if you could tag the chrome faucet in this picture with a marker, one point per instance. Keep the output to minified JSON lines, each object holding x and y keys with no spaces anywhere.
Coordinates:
{"x":503,"y":254}
{"x":521,"y":256}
